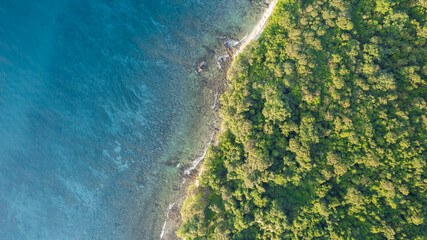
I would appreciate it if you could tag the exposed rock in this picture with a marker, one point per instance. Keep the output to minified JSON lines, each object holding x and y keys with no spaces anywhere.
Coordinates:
{"x":231,"y":47}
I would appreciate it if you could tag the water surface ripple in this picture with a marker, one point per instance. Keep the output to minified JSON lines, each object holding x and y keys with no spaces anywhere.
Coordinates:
{"x":91,"y":92}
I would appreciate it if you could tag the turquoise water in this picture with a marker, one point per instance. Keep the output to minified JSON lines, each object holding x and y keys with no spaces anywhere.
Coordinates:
{"x":91,"y":94}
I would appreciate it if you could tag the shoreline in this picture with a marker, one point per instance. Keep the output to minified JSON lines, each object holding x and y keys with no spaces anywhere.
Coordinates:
{"x":257,"y":29}
{"x":189,"y":175}
{"x":252,"y":36}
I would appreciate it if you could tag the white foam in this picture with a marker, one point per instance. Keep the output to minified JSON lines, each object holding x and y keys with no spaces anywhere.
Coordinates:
{"x":167,"y":216}
{"x":216,"y":98}
{"x":171,"y":206}
{"x":199,"y":159}
{"x":163,"y":230}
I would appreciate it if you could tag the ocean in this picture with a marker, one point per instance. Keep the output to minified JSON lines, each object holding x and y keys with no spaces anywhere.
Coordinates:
{"x":99,"y":108}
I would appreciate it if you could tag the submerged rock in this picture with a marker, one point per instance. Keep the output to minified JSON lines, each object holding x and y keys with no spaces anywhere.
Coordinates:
{"x":202,"y":67}
{"x":222,"y":60}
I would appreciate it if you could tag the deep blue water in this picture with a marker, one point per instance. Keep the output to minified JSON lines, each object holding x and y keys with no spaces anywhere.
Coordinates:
{"x":91,"y":92}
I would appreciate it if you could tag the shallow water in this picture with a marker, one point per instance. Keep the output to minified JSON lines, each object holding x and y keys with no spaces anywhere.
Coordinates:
{"x":91,"y":94}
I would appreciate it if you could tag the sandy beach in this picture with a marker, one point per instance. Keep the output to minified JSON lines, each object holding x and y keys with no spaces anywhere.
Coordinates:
{"x":259,"y":27}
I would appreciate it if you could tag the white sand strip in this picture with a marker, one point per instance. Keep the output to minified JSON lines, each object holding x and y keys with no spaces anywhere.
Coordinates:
{"x":259,"y":27}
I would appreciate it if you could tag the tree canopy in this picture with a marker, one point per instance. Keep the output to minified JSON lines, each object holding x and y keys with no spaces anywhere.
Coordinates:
{"x":324,"y":131}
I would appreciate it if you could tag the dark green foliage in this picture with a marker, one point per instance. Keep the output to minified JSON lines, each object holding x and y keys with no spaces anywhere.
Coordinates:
{"x":324,"y":130}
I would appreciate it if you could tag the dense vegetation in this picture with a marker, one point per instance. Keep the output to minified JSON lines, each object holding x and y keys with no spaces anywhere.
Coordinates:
{"x":324,"y":129}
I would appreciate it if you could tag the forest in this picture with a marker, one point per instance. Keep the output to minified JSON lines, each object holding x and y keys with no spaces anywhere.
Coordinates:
{"x":324,"y":130}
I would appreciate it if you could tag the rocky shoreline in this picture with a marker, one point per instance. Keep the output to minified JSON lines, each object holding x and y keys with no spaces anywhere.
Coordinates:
{"x":231,"y":48}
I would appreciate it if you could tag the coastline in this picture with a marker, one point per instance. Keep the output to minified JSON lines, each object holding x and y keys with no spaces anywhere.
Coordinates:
{"x":258,"y":28}
{"x":282,"y":167}
{"x":252,"y":36}
{"x":189,"y":175}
